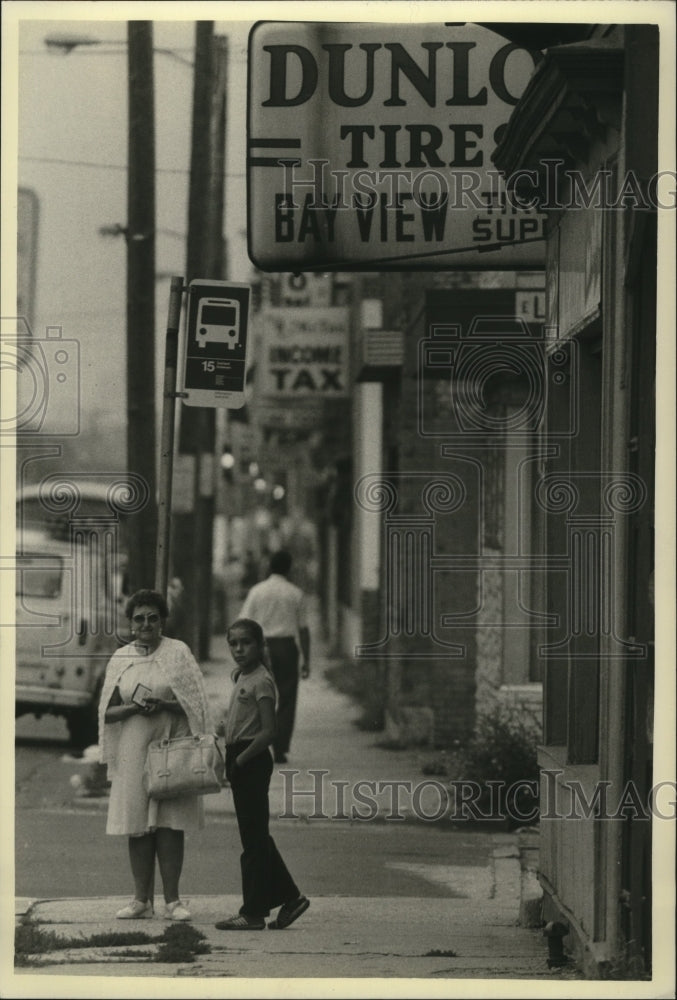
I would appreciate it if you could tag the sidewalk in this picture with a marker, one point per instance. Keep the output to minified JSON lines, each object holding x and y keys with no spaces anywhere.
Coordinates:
{"x":330,"y":759}
{"x":473,"y":934}
{"x":339,"y":938}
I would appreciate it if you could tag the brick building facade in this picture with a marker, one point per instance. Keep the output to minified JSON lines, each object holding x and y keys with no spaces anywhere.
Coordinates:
{"x":447,"y":502}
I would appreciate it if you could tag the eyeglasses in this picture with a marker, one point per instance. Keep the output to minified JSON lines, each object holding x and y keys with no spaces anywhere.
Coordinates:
{"x":151,"y":619}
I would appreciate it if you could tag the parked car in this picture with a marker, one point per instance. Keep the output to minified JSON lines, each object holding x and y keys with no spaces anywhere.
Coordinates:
{"x":69,"y":620}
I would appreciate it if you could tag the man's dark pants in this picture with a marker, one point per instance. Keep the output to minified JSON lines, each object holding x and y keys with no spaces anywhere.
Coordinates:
{"x":284,"y":660}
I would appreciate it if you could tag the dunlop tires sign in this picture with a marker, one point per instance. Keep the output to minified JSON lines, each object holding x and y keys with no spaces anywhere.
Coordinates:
{"x":369,"y":146}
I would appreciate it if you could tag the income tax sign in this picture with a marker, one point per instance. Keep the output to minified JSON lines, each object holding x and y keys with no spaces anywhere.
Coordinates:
{"x":369,"y":146}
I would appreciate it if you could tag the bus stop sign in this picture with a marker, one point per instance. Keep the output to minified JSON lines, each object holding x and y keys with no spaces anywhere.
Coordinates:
{"x":216,"y":344}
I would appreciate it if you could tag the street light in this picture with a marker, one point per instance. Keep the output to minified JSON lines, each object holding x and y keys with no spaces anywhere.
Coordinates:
{"x":66,"y":43}
{"x":116,"y":229}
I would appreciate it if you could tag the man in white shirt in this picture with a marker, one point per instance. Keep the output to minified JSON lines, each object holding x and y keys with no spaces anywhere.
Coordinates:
{"x":279,"y":607}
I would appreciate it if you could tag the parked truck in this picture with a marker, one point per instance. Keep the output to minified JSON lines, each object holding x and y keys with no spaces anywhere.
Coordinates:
{"x":69,"y":620}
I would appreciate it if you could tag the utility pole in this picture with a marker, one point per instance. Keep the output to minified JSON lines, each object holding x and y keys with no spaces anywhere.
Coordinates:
{"x":140,"y":237}
{"x":193,"y":530}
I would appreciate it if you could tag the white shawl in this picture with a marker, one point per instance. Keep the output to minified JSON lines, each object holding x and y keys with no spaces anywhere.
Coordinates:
{"x":182,"y":674}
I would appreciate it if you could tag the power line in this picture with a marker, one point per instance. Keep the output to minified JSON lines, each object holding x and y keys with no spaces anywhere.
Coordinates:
{"x":106,"y":166}
{"x":78,"y":163}
{"x":117,"y":52}
{"x":100,"y":51}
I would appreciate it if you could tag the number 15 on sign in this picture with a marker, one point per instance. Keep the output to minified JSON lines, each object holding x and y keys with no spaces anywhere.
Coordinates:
{"x":215,"y":354}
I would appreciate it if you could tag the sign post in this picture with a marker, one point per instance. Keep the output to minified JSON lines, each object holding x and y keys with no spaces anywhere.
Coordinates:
{"x":213,"y":375}
{"x":167,"y":438}
{"x":216,"y":344}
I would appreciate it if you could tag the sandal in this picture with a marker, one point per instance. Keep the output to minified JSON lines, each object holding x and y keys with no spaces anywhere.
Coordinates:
{"x":289,"y":912}
{"x":241,"y":923}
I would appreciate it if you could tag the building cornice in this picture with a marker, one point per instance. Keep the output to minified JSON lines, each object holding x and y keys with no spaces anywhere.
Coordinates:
{"x":572,"y":100}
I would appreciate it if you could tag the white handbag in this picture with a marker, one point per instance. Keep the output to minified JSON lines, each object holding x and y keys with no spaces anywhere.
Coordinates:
{"x":185,"y":765}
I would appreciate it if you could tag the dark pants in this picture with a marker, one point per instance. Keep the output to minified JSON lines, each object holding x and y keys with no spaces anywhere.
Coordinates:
{"x":284,"y":660}
{"x":266,"y":883}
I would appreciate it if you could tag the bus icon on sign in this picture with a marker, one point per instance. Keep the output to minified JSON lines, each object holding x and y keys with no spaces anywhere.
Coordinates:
{"x":218,"y":322}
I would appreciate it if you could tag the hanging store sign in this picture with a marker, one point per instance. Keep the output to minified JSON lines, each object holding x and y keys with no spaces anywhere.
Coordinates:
{"x":279,"y":416}
{"x":306,"y":289}
{"x":305,"y":353}
{"x":369,"y":146}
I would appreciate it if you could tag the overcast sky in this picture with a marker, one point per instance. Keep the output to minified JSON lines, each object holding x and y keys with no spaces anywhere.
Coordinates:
{"x":72,"y":152}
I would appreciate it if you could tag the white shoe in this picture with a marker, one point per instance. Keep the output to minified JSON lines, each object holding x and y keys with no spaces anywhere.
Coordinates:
{"x":176,"y":911}
{"x":136,"y":910}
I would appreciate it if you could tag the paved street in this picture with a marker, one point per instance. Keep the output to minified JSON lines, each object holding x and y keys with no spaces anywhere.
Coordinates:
{"x":374,"y":859}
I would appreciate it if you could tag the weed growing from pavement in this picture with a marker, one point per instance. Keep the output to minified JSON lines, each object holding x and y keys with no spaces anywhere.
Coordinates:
{"x":181,"y":944}
{"x":32,"y":940}
{"x":437,"y":766}
{"x":626,"y":964}
{"x":500,"y":751}
{"x":441,"y":953}
{"x":178,"y":943}
{"x":390,"y":745}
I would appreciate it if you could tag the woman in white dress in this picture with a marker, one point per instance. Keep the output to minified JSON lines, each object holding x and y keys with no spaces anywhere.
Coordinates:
{"x":174,"y":704}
